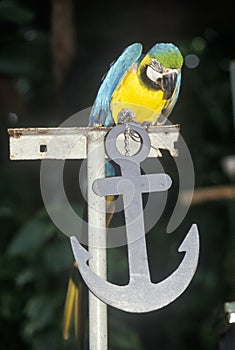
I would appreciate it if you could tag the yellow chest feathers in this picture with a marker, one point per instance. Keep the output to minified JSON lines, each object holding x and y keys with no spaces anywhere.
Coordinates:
{"x":147,"y":104}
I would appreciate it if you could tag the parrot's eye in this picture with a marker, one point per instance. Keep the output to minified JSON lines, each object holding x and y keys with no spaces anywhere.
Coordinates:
{"x":154,"y":64}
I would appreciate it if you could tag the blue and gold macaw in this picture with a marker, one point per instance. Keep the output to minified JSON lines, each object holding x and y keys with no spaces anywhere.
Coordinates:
{"x":138,"y":88}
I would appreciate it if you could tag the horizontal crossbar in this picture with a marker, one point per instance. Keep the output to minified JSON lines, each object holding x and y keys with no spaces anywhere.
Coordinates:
{"x":71,"y":142}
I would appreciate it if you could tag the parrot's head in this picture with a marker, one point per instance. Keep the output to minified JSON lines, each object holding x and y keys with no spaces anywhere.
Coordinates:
{"x":160,"y":68}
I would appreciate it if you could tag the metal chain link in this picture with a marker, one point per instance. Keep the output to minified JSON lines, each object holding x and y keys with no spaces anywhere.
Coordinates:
{"x":127,"y":140}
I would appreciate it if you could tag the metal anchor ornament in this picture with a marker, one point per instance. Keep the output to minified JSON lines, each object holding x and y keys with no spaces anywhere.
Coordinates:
{"x":140,"y":294}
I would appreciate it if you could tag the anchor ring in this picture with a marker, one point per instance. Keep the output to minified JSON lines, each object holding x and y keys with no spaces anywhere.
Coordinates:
{"x":112,"y":150}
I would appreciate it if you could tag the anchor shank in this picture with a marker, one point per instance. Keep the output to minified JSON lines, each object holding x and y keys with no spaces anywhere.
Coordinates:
{"x":135,"y":230}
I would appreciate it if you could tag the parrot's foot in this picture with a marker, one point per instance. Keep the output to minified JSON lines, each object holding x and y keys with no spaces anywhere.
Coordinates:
{"x":125,"y":116}
{"x":146,"y":125}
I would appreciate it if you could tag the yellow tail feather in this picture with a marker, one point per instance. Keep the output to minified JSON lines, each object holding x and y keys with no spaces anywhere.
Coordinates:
{"x":69,"y":308}
{"x":77,"y":314}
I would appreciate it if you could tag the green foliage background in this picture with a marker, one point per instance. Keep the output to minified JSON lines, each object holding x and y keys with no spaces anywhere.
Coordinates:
{"x":35,"y":258}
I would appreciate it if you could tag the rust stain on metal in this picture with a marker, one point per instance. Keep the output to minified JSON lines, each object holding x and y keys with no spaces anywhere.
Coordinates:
{"x":43,"y":131}
{"x":14,"y":133}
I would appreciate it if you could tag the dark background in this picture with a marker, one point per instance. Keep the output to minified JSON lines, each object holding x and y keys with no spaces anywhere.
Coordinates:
{"x":52,"y":57}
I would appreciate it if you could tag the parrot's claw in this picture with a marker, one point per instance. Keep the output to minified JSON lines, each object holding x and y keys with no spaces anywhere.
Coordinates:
{"x":146,"y":125}
{"x":126,"y":115}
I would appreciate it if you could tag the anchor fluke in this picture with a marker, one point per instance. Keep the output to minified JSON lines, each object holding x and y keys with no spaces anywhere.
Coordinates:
{"x":138,"y":296}
{"x":192,"y":236}
{"x":84,"y":255}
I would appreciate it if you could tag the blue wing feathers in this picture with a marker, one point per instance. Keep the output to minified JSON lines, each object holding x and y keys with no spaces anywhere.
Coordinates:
{"x":100,"y":113}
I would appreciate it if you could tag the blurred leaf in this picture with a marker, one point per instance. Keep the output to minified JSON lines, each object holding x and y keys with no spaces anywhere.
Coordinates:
{"x":25,"y":277}
{"x":58,"y":256}
{"x":12,"y":12}
{"x":6,"y":212}
{"x":47,"y":340}
{"x":40,"y":311}
{"x":122,"y":336}
{"x":30,"y":238}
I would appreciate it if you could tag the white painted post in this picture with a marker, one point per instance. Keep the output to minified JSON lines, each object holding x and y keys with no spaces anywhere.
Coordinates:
{"x":98,"y":334}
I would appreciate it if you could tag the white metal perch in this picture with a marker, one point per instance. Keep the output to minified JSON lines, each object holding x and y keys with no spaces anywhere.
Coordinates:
{"x":80,"y":143}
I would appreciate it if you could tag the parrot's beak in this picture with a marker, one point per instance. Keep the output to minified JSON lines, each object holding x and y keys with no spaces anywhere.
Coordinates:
{"x":167,"y":83}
